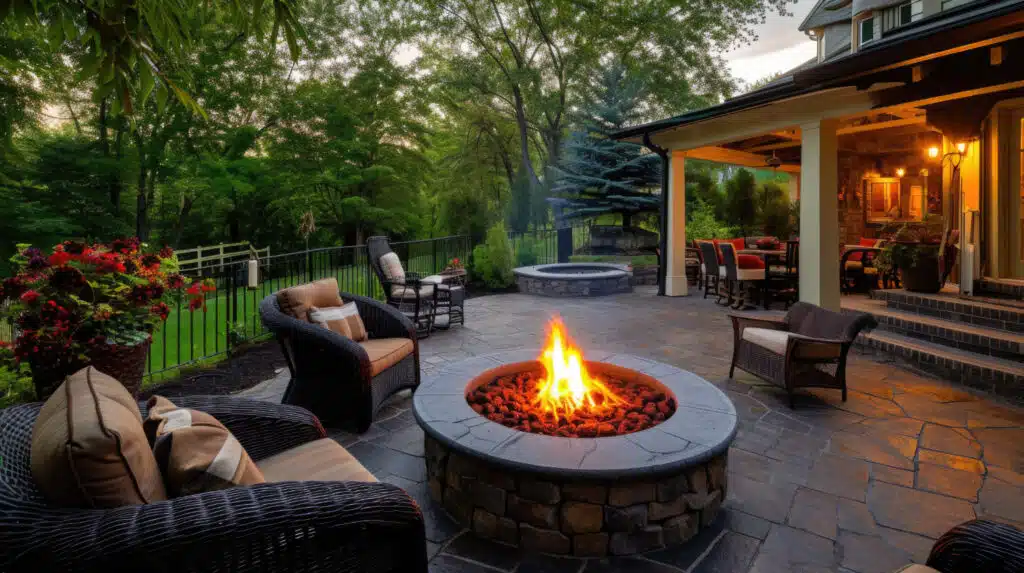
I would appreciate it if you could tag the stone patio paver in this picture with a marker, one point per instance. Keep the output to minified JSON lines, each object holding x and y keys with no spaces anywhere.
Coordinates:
{"x":862,"y":486}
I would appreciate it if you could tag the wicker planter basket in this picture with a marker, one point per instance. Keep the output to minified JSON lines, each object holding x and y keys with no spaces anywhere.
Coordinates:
{"x":125,"y":363}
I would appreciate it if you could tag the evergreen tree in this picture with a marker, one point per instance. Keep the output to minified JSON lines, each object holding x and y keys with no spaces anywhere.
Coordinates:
{"x":597,"y":175}
{"x":740,"y":206}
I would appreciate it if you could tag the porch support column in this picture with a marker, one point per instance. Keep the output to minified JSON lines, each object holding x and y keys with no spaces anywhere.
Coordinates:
{"x":675,"y":257}
{"x":819,"y":214}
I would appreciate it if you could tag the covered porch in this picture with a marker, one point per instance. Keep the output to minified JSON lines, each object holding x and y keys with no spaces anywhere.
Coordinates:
{"x":910,"y":131}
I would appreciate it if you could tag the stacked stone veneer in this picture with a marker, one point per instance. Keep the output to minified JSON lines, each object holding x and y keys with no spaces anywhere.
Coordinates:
{"x":574,"y":286}
{"x":571,"y":516}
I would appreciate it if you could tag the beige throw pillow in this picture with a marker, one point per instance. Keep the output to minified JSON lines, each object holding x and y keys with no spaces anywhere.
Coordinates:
{"x":89,"y":448}
{"x":392,"y":268}
{"x":344,"y":320}
{"x":195,"y":452}
{"x":296,"y":301}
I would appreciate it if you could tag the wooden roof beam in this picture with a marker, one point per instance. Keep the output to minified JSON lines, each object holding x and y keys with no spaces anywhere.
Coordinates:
{"x":736,"y":157}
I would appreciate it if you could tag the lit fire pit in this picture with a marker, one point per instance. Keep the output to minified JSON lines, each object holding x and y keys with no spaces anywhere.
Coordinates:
{"x":562,"y":398}
{"x":551,"y":452}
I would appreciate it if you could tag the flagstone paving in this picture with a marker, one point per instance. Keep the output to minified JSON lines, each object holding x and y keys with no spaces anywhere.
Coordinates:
{"x":863,"y":486}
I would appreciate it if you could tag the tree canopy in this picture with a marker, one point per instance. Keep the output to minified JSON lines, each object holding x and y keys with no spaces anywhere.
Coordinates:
{"x":193,"y":122}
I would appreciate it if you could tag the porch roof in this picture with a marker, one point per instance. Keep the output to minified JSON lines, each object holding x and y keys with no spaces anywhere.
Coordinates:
{"x":975,"y":25}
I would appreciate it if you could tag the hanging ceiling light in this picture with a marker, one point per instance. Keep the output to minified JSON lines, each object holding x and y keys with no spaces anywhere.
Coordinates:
{"x":774,"y":162}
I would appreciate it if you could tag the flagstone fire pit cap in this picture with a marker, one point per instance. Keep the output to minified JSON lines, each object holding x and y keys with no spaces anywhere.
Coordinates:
{"x":702,"y":427}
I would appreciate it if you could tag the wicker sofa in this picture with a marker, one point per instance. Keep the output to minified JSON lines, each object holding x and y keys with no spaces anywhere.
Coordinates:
{"x":342,"y":381}
{"x":282,"y":525}
{"x":805,"y":348}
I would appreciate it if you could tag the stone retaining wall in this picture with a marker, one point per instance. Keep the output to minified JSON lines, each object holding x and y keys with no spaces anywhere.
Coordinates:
{"x":574,"y":286}
{"x":573,"y":517}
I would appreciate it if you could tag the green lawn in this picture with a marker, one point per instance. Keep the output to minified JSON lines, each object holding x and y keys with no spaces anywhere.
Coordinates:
{"x":193,"y":337}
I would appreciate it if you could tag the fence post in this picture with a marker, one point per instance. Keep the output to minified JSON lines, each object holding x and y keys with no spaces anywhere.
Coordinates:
{"x":433,"y":247}
{"x":309,"y":266}
{"x":564,"y":244}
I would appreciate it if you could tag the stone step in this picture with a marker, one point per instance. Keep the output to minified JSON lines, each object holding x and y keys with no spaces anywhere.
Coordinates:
{"x":985,"y":313}
{"x":989,"y":373}
{"x":1012,"y":289}
{"x":961,"y":335}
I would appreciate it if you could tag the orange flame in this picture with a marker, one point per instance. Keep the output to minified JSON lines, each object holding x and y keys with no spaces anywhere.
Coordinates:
{"x":567,"y":386}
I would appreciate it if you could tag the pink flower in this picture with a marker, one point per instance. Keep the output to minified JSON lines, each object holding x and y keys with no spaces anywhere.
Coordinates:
{"x":29,"y":297}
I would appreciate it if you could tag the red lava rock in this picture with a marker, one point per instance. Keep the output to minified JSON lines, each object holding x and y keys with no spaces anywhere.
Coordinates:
{"x":509,"y":400}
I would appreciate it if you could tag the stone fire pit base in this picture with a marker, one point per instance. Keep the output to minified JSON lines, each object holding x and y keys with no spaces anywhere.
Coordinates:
{"x":576,"y":517}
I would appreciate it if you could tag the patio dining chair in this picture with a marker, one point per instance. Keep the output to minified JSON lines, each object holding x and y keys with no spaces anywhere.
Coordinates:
{"x":710,"y":269}
{"x":783,"y":281}
{"x":741,"y":279}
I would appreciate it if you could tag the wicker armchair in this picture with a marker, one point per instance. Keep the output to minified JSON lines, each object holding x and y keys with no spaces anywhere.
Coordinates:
{"x":805,"y":348}
{"x":284,"y":526}
{"x":979,"y":545}
{"x":331,"y":375}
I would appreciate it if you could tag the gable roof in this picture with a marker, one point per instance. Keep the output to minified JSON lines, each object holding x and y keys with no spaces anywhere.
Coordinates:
{"x":827,"y":12}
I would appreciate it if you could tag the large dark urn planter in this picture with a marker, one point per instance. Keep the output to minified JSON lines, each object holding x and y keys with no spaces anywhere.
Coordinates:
{"x":922,"y":275}
{"x":49,"y":369}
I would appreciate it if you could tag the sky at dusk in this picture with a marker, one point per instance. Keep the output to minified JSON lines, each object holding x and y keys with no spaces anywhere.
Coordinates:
{"x":779,"y":47}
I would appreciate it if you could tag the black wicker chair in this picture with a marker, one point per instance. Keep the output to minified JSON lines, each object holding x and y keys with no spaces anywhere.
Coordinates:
{"x":332,"y":375}
{"x":806,"y":348}
{"x":426,"y":301}
{"x":979,"y":545}
{"x":710,"y":268}
{"x":287,"y":526}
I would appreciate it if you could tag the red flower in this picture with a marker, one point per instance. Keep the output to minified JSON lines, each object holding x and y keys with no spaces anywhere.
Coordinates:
{"x":161,"y":309}
{"x":207,"y":287}
{"x":29,"y":297}
{"x":195,"y":303}
{"x":175,"y":282}
{"x":194,"y":289}
{"x":59,"y":258}
{"x":166,"y":252}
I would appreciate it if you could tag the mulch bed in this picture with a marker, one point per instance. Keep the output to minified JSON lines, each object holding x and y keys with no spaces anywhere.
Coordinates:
{"x":509,"y":400}
{"x":245,"y":369}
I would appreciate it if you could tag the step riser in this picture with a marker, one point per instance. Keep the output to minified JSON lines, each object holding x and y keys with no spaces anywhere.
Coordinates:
{"x":1005,"y":384}
{"x":989,"y":346}
{"x":1009,"y":320}
{"x":1012,"y":290}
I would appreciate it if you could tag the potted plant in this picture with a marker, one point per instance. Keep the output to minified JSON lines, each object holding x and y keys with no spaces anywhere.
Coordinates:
{"x":95,"y":304}
{"x":913,"y":250}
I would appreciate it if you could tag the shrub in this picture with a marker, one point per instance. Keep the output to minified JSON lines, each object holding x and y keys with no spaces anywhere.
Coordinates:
{"x":492,"y":261}
{"x":526,"y":254}
{"x":703,"y":225}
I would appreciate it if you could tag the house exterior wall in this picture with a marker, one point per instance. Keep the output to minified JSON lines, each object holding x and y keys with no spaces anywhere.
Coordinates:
{"x":836,"y":38}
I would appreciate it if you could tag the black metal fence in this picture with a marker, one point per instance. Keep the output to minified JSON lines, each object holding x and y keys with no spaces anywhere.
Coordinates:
{"x":231,"y":317}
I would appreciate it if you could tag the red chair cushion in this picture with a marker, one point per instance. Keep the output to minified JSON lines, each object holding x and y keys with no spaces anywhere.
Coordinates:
{"x":749,"y":262}
{"x":738,"y":244}
{"x":864,"y":243}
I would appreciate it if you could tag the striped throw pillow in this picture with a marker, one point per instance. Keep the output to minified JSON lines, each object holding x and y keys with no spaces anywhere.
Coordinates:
{"x":344,"y":320}
{"x":195,"y":452}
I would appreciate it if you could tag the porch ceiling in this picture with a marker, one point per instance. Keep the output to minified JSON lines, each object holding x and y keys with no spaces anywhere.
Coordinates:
{"x":875,"y":133}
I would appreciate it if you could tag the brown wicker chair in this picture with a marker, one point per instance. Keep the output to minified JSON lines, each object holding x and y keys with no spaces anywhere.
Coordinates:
{"x":332,"y":376}
{"x":283,"y":526}
{"x":805,"y":348}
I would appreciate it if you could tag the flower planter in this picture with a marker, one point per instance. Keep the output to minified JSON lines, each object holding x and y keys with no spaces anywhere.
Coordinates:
{"x":49,"y":371}
{"x":127,"y":364}
{"x":921,"y":272}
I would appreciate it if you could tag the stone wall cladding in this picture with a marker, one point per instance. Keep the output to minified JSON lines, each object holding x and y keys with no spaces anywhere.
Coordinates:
{"x":575,"y":517}
{"x":580,"y":287}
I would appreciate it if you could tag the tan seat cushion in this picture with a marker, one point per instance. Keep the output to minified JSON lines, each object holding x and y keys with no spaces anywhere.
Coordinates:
{"x":344,"y":320}
{"x":917,"y":568}
{"x":386,"y":352}
{"x":425,"y":292}
{"x":195,"y":452}
{"x":320,"y":460}
{"x":296,"y":301}
{"x":89,"y":449}
{"x":776,"y":341}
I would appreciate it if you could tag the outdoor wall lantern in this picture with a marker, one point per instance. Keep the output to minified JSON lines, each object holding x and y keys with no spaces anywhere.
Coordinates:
{"x":961,"y":147}
{"x":933,"y":152}
{"x":900,"y":172}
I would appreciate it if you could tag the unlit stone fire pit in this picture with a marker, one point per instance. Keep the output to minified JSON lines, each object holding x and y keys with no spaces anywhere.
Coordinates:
{"x":593,"y":493}
{"x":574,"y":279}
